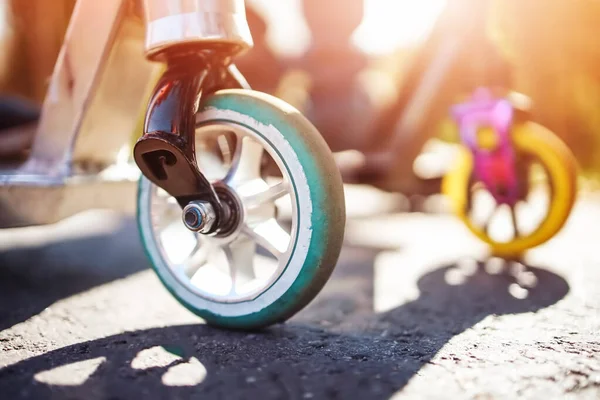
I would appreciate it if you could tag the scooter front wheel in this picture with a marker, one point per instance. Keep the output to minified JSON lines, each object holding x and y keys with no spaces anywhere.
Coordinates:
{"x":548,"y":188}
{"x":267,"y":266}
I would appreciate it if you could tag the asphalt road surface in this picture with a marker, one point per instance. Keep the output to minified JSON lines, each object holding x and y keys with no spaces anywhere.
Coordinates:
{"x":414,"y":310}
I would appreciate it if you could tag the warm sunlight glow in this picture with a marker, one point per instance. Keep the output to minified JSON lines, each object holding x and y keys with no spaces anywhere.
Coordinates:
{"x":389,"y":24}
{"x":288,"y":34}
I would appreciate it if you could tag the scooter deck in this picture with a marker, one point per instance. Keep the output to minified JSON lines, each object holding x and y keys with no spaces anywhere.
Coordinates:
{"x":30,"y":199}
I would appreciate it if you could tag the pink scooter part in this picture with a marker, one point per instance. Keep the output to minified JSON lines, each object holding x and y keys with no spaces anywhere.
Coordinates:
{"x":496,"y":167}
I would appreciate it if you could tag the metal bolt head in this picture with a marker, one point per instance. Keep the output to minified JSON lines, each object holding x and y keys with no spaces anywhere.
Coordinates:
{"x":198,"y":216}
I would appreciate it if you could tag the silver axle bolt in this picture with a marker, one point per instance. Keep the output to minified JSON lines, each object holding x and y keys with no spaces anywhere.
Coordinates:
{"x":198,"y":216}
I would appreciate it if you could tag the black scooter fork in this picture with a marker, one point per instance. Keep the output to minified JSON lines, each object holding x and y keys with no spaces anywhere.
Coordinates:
{"x":166,"y":154}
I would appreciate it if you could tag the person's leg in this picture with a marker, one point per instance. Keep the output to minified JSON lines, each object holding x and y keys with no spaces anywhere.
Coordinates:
{"x":18,"y":119}
{"x":260,"y":65}
{"x":339,"y":105}
{"x":30,"y":44}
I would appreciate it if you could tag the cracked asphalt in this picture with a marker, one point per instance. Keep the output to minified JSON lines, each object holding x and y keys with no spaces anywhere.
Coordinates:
{"x":415,"y":310}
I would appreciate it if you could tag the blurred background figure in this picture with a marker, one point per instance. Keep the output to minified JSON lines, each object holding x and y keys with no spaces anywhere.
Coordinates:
{"x":261,"y":66}
{"x":323,"y":78}
{"x":32,"y":34}
{"x":355,"y":67}
{"x":337,"y":102}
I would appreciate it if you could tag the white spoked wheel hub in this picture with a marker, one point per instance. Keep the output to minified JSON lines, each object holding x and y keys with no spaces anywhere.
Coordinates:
{"x":241,"y":263}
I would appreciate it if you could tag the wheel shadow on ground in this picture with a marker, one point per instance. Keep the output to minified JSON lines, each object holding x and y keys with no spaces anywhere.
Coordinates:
{"x":55,"y":262}
{"x":360,"y":354}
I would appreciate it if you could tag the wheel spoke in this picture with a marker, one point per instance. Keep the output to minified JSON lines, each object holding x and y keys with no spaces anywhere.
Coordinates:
{"x":197,"y":259}
{"x":225,"y":149}
{"x":479,"y":201}
{"x":472,"y":188}
{"x":240,"y":257}
{"x":488,"y":221}
{"x":167,"y":212}
{"x":246,"y":160}
{"x":513,"y":217}
{"x":267,"y":196}
{"x":271,"y":236}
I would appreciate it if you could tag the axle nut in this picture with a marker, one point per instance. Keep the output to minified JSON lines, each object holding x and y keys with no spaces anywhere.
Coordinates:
{"x":198,"y":216}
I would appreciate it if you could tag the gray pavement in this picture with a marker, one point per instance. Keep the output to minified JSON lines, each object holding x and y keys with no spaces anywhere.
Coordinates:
{"x":414,"y":310}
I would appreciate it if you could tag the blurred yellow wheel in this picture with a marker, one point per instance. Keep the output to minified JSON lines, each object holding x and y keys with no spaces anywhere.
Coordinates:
{"x":548,"y":176}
